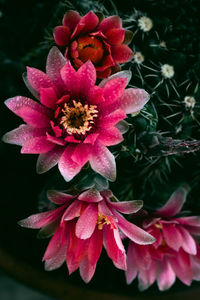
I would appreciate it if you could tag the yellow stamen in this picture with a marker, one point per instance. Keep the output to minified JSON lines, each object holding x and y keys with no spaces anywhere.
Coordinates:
{"x":78,"y":118}
{"x":102,"y":220}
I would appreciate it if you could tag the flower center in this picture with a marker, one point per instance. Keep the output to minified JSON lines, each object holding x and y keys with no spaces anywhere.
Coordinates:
{"x":102,"y":220}
{"x":90,"y":47}
{"x":78,"y":118}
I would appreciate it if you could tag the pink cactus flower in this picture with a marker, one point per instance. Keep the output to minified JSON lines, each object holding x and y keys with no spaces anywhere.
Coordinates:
{"x":103,"y":41}
{"x":175,"y":252}
{"x":75,"y":119}
{"x":80,"y":227}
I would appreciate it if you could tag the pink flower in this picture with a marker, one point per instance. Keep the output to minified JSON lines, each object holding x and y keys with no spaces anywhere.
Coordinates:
{"x":81,"y":225}
{"x":75,"y":119}
{"x":175,"y":252}
{"x":102,"y":41}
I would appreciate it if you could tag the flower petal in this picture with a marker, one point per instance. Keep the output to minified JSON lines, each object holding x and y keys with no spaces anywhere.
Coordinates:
{"x":81,"y":154}
{"x":87,"y":77}
{"x":58,"y":197}
{"x":188,"y":244}
{"x":71,"y":79}
{"x":112,"y":119}
{"x":61,"y":35}
{"x":110,"y":23}
{"x":182,"y":267}
{"x":86,"y":24}
{"x":132,"y":270}
{"x":86,"y":223}
{"x":71,"y":19}
{"x":115,"y":36}
{"x":38,"y":79}
{"x":68,"y":168}
{"x":95,"y":246}
{"x":22,"y":134}
{"x":133,"y":232}
{"x":37,"y":145}
{"x":127,"y":207}
{"x":166,"y":275}
{"x":110,"y":136}
{"x":102,"y":161}
{"x":123,"y":74}
{"x":54,"y":244}
{"x":133,"y":100}
{"x":55,"y":62}
{"x":121,"y":53}
{"x":91,"y":195}
{"x":174,"y":204}
{"x":30,"y":111}
{"x":48,"y":97}
{"x":73,"y":211}
{"x":172,"y":236}
{"x":48,"y":160}
{"x":87,"y":270}
{"x":114,"y":89}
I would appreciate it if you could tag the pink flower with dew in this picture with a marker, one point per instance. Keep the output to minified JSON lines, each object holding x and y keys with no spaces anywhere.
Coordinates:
{"x":80,"y":227}
{"x":175,"y":252}
{"x":75,"y":120}
{"x":92,"y":37}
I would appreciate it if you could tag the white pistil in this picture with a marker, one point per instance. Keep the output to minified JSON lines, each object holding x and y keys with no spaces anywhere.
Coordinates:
{"x":189,"y":102}
{"x":138,"y":58}
{"x":167,"y":71}
{"x":145,"y":24}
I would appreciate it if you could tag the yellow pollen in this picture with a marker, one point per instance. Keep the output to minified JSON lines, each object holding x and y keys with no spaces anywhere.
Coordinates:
{"x":102,"y":220}
{"x":159,"y":226}
{"x":78,"y":118}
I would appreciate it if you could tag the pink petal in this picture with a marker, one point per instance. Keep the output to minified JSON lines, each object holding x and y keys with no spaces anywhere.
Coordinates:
{"x":195,"y":266}
{"x":115,"y":36}
{"x":112,"y":119}
{"x":22,"y":134}
{"x":147,"y":277}
{"x":182,"y":267}
{"x":189,"y":244}
{"x":55,"y":62}
{"x":95,"y":246}
{"x":87,"y":270}
{"x":48,"y":97}
{"x":42,"y":219}
{"x":71,"y":19}
{"x":91,"y":138}
{"x":87,"y":221}
{"x":71,"y":79}
{"x":59,"y":198}
{"x":133,"y":232}
{"x":87,"y":77}
{"x":114,"y":89}
{"x":166,"y":275}
{"x":35,"y":93}
{"x":133,"y":100}
{"x":54,"y":244}
{"x":105,"y":210}
{"x":127,"y":207}
{"x":122,"y":74}
{"x":68,"y":168}
{"x":110,"y":136}
{"x":86,"y":24}
{"x":48,"y":160}
{"x":38,"y":79}
{"x":121,"y":53}
{"x":102,"y":161}
{"x":73,"y":211}
{"x":30,"y":111}
{"x":172,"y":236}
{"x":55,"y":140}
{"x":174,"y":204}
{"x":81,"y":154}
{"x":110,"y":23}
{"x":95,"y":95}
{"x":91,"y":195}
{"x":142,"y":256}
{"x":57,"y":260}
{"x":61,"y":35}
{"x":190,"y":221}
{"x":132,"y":270}
{"x":37,"y":145}
{"x":116,"y":253}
